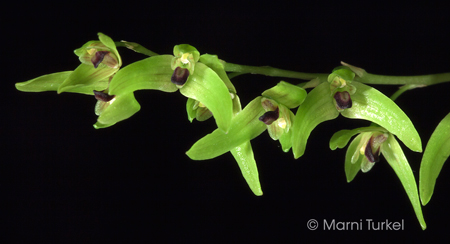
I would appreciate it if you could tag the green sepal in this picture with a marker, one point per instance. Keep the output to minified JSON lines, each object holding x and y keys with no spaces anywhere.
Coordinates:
{"x":236,"y":104}
{"x":202,"y":114}
{"x":372,"y":105}
{"x":107,"y":41}
{"x":246,"y":161}
{"x":205,"y":86}
{"x":213,"y":62}
{"x":179,"y":50}
{"x":152,"y":73}
{"x":119,"y":108}
{"x":244,"y":127}
{"x":342,"y":137}
{"x":353,"y":159}
{"x":190,"y":109}
{"x":185,"y":56}
{"x":317,"y":108}
{"x":49,"y":82}
{"x":287,"y":94}
{"x":286,"y":138}
{"x":275,"y":130}
{"x":434,"y":157}
{"x":87,"y":77}
{"x":343,"y":72}
{"x":393,"y":153}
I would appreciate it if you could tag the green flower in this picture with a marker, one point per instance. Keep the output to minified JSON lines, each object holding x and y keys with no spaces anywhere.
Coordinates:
{"x":277,"y":102}
{"x":111,"y":109}
{"x":363,"y":152}
{"x":99,"y":62}
{"x":202,"y":84}
{"x":244,"y":127}
{"x":341,"y":88}
{"x":355,"y":101}
{"x":183,"y":63}
{"x":434,"y":157}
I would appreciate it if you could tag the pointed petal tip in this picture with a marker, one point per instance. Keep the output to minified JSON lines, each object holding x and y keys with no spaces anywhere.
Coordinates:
{"x":258,"y":192}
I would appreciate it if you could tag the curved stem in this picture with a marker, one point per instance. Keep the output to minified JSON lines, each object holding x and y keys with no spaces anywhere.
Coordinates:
{"x":404,"y":88}
{"x":367,"y":78}
{"x":270,"y":71}
{"x":403,"y":80}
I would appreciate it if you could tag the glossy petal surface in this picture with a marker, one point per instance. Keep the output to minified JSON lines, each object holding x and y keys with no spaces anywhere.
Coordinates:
{"x":205,"y":86}
{"x":246,"y":161}
{"x":434,"y":157}
{"x":372,"y":105}
{"x":287,"y":94}
{"x":151,"y":73}
{"x":120,"y":108}
{"x":317,"y":108}
{"x":49,"y":82}
{"x":393,"y":153}
{"x":244,"y":127}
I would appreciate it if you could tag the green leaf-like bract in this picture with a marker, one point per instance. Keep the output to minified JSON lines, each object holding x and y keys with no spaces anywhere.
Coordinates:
{"x":122,"y":107}
{"x":317,"y":108}
{"x":213,"y":62}
{"x":353,"y":165}
{"x":107,"y":41}
{"x":393,"y":153}
{"x":287,"y":94}
{"x":372,"y":105}
{"x":341,"y":138}
{"x":244,"y":127}
{"x":434,"y":157}
{"x":49,"y":82}
{"x":205,"y":86}
{"x":246,"y":161}
{"x":151,"y":73}
{"x":87,"y":76}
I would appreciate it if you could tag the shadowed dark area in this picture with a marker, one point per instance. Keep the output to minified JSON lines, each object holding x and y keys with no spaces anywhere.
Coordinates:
{"x":63,"y":181}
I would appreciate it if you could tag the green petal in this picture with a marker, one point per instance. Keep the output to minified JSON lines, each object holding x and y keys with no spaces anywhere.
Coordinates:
{"x":122,"y":107}
{"x":213,"y":62}
{"x":82,"y":50}
{"x":86,"y":77}
{"x":343,"y":72}
{"x":352,"y":168}
{"x":287,"y":94}
{"x":372,"y":105}
{"x":246,"y":161}
{"x":205,"y":86}
{"x":434,"y":157}
{"x":341,"y":138}
{"x":107,"y":41}
{"x":151,"y":73}
{"x":49,"y":82}
{"x":191,"y":112}
{"x":244,"y":127}
{"x":393,"y":153}
{"x":317,"y":108}
{"x":286,"y":141}
{"x":179,"y":50}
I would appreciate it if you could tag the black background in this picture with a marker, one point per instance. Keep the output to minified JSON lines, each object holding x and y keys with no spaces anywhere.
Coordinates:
{"x":63,"y":181}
